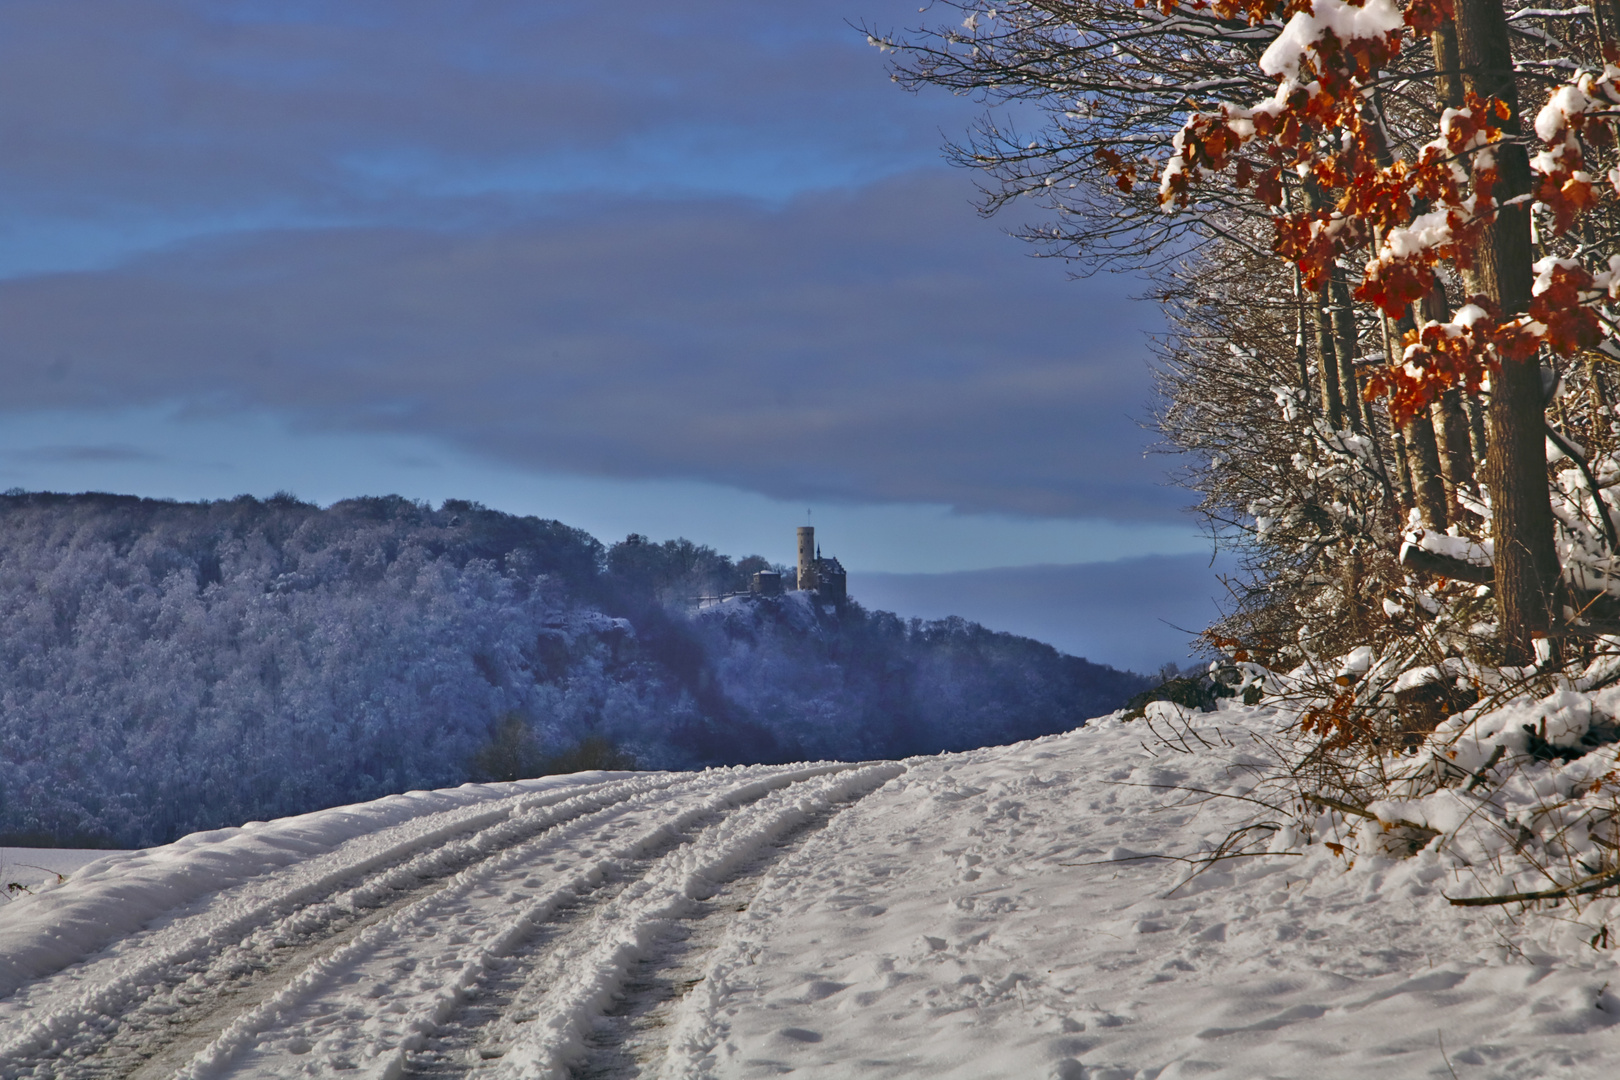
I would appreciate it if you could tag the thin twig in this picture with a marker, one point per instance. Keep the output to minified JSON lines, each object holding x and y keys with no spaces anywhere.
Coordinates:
{"x":1443,"y":1056}
{"x":1341,"y":807}
{"x":1346,"y":808}
{"x":1578,"y":888}
{"x":1203,"y":791}
{"x":1211,"y":858}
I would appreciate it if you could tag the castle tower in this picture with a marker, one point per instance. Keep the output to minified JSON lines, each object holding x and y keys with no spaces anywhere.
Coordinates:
{"x":807,"y":557}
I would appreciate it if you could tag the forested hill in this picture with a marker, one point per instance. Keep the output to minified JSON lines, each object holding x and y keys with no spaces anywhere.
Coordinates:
{"x":167,"y":667}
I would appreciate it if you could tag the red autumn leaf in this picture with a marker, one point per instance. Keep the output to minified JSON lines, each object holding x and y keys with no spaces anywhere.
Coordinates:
{"x":1427,"y":16}
{"x":1268,"y":189}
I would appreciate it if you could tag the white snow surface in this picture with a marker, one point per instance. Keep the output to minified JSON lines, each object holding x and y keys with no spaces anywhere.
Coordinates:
{"x":1008,"y":912}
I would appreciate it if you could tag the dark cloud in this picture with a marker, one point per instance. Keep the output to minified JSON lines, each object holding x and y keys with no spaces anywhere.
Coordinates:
{"x":557,"y":234}
{"x":875,"y":345}
{"x":210,"y":107}
{"x":1133,"y":613}
{"x":73,"y":455}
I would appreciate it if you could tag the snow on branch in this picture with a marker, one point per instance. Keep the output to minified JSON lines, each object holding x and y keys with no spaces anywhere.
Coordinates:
{"x":1315,"y":154}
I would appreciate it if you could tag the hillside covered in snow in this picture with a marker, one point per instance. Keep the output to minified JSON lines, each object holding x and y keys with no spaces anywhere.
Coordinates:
{"x":167,"y":667}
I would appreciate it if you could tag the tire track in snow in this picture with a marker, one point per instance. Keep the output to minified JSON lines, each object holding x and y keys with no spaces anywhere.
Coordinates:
{"x":553,"y":1025}
{"x":629,"y":1032}
{"x":213,"y":1051}
{"x":632,"y":1037}
{"x":361,"y":1010}
{"x":107,"y":1017}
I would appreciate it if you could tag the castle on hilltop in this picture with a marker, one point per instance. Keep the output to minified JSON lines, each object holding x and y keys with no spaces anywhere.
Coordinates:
{"x":825,"y":577}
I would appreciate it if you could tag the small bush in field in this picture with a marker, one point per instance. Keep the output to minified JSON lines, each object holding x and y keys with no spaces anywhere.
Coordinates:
{"x":514,"y":753}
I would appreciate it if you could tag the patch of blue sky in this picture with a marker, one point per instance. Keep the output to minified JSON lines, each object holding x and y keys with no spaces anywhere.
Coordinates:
{"x":181,"y":454}
{"x":411,"y":186}
{"x":683,"y":160}
{"x":31,"y":245}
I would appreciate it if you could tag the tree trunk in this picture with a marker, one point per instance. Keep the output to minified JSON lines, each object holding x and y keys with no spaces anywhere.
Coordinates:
{"x":1450,"y":421}
{"x":1302,"y":357}
{"x":1327,"y":358}
{"x":1456,"y":456}
{"x":1423,"y":456}
{"x":1403,"y":470}
{"x":1422,"y":450}
{"x":1448,"y":88}
{"x":1418,"y":444}
{"x":1346,"y":345}
{"x":1453,"y":428}
{"x":1476,"y":427}
{"x":1599,"y":402}
{"x":1327,"y":363}
{"x":1515,"y":461}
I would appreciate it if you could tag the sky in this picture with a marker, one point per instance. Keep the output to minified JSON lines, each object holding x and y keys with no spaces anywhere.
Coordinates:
{"x":684,"y":270}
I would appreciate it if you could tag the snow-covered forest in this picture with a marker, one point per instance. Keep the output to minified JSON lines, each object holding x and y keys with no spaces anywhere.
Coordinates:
{"x":167,"y":667}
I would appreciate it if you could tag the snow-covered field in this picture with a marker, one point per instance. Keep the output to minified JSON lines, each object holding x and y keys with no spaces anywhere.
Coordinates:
{"x":998,"y":913}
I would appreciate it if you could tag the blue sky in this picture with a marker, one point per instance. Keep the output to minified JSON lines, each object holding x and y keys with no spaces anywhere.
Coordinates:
{"x":680,"y":271}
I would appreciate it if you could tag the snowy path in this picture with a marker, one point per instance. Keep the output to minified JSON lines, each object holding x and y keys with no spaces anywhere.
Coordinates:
{"x":262,"y":979}
{"x":153,"y":987}
{"x":997,"y":913}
